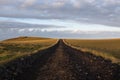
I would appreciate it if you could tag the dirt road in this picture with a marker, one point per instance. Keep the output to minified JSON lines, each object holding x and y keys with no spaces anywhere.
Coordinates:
{"x":65,"y":63}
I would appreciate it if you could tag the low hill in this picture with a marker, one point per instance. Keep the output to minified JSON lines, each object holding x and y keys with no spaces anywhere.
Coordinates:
{"x":25,"y":39}
{"x":21,"y":46}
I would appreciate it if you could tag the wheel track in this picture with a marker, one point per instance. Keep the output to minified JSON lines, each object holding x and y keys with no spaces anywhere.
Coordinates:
{"x":65,"y":63}
{"x":57,"y":67}
{"x":26,"y":68}
{"x":90,"y":67}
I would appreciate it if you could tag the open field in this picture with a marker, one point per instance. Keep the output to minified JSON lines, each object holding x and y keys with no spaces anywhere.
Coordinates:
{"x":109,"y":48}
{"x":60,"y":62}
{"x":16,"y":47}
{"x":50,"y":59}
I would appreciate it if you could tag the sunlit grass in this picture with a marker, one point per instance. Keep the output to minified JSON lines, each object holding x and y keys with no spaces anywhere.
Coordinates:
{"x":109,"y":48}
{"x":13,"y":48}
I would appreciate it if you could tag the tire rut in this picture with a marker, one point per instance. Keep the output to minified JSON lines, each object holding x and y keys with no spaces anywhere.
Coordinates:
{"x":58,"y":66}
{"x":62,"y":62}
{"x":90,"y":67}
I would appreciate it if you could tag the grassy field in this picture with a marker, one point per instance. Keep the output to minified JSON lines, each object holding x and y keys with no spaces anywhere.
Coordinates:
{"x":109,"y":49}
{"x":16,"y":47}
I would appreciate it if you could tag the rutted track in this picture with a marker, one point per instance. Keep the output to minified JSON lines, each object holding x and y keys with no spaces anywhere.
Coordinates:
{"x":25,"y":68}
{"x":61,"y":62}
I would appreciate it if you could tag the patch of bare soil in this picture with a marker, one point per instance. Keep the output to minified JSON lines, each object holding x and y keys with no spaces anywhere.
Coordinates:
{"x":90,"y":67}
{"x":58,"y":66}
{"x":61,"y":62}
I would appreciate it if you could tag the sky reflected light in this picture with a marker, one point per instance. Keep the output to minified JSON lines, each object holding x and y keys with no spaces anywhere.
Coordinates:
{"x":60,"y":18}
{"x":66,"y":24}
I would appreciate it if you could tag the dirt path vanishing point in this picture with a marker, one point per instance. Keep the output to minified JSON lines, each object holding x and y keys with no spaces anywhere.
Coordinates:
{"x":65,"y":63}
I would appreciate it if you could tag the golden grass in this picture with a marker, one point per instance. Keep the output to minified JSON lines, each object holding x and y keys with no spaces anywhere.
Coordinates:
{"x":21,"y":46}
{"x":25,"y":39}
{"x":109,"y":48}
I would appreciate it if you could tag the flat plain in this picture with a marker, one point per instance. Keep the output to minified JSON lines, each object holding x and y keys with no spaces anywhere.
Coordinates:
{"x":107,"y":48}
{"x":20,"y":46}
{"x":34,"y":58}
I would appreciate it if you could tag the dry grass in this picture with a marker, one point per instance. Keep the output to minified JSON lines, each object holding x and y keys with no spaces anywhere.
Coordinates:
{"x":109,"y":48}
{"x":16,"y":47}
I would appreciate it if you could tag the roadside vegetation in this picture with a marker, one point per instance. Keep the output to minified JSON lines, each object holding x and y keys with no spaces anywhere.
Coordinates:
{"x":109,"y":48}
{"x":17,"y":47}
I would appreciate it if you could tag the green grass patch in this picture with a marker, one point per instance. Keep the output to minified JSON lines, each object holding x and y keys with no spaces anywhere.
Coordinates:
{"x":16,"y":47}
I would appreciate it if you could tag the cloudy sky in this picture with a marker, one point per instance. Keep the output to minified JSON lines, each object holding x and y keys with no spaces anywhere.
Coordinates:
{"x":60,"y":18}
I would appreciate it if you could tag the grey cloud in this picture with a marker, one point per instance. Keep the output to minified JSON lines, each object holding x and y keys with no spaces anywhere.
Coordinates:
{"x":8,"y":25}
{"x":27,"y":3}
{"x":104,"y":12}
{"x":57,"y":34}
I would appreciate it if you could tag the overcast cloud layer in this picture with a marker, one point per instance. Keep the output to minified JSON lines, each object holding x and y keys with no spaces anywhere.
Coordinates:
{"x":98,"y":12}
